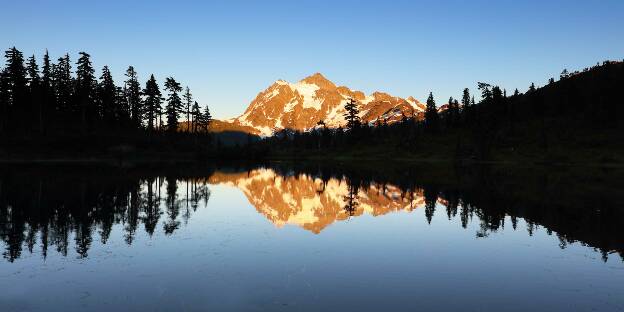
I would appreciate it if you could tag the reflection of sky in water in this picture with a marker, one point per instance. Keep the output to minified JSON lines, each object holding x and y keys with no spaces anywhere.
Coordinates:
{"x":231,"y":257}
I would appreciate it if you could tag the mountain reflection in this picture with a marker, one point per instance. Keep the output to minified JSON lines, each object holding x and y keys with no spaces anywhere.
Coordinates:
{"x":64,"y":210}
{"x":313,"y":203}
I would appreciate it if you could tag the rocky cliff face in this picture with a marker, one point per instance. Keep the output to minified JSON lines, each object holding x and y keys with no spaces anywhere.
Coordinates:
{"x":300,"y":106}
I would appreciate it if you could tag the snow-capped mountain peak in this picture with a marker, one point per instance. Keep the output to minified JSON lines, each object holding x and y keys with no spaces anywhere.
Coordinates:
{"x":301,"y":105}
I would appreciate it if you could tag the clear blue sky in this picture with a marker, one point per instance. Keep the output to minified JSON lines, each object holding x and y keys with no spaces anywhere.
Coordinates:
{"x":228,"y":51}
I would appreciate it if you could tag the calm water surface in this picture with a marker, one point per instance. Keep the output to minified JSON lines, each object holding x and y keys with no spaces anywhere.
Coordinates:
{"x":298,"y":240}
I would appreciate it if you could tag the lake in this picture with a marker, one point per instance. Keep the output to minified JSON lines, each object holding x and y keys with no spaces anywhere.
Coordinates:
{"x":310,"y":237}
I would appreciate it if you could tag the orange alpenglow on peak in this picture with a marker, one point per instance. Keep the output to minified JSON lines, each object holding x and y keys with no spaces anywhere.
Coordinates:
{"x":301,"y":105}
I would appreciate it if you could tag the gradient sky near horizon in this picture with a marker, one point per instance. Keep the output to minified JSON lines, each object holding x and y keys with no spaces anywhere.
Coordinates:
{"x":228,"y":51}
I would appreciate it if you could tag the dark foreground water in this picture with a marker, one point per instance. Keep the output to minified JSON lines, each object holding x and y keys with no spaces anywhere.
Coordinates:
{"x":309,"y":239}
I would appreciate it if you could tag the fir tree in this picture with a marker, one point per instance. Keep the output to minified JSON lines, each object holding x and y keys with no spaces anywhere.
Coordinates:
{"x":34,"y":88}
{"x":153,"y":100}
{"x":63,"y":85}
{"x":486,"y":93}
{"x":465,"y":98}
{"x":47,"y":93}
{"x":46,"y":71}
{"x":351,"y":114}
{"x":188,"y":102}
{"x":85,"y":81}
{"x":174,"y":104}
{"x":205,"y":120}
{"x":107,"y":96}
{"x":196,"y":114}
{"x":16,"y":75}
{"x":33,"y":73}
{"x":133,"y":97}
{"x":431,"y":114}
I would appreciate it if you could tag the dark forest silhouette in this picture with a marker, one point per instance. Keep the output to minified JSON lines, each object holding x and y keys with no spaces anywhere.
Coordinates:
{"x":46,"y":209}
{"x":63,"y":104}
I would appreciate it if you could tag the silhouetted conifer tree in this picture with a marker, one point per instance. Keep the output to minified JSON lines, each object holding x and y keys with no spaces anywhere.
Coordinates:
{"x":188,"y":102}
{"x":486,"y":93}
{"x":153,"y":100}
{"x":196,"y":115}
{"x":204,"y":120}
{"x":351,"y":114}
{"x":34,"y":88}
{"x":63,"y":86}
{"x":107,"y":96}
{"x":17,"y":92}
{"x":47,"y":93}
{"x":85,"y":92}
{"x":465,"y":101}
{"x":431,"y":114}
{"x":133,"y":97}
{"x":174,"y":104}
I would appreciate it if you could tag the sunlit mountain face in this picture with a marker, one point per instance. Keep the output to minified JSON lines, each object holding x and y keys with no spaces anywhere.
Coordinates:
{"x":313,"y":203}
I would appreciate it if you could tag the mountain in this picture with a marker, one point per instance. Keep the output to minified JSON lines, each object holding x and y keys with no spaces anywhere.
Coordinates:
{"x":301,"y":105}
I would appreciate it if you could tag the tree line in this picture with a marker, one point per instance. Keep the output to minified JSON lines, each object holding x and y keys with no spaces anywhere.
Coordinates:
{"x":66,"y":98}
{"x":584,"y":100}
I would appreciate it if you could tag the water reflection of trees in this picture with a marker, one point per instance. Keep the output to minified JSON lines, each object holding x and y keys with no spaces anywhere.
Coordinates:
{"x":48,"y":212}
{"x":58,"y":211}
{"x":561,"y":203}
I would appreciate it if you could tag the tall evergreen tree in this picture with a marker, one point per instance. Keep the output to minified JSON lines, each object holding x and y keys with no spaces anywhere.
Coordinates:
{"x":203,"y":120}
{"x":196,"y":115}
{"x":431,"y":113}
{"x":351,"y":114}
{"x":33,"y":73}
{"x":486,"y":92}
{"x":133,"y":97}
{"x":452,"y":112}
{"x":34,"y":88}
{"x":85,"y":90}
{"x":174,"y":104}
{"x":152,"y":103}
{"x":207,"y":119}
{"x":47,"y":93}
{"x":188,"y":102}
{"x":465,"y":101}
{"x":63,"y":85}
{"x":497,"y":95}
{"x":16,"y":75}
{"x":46,"y":71}
{"x":107,"y":96}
